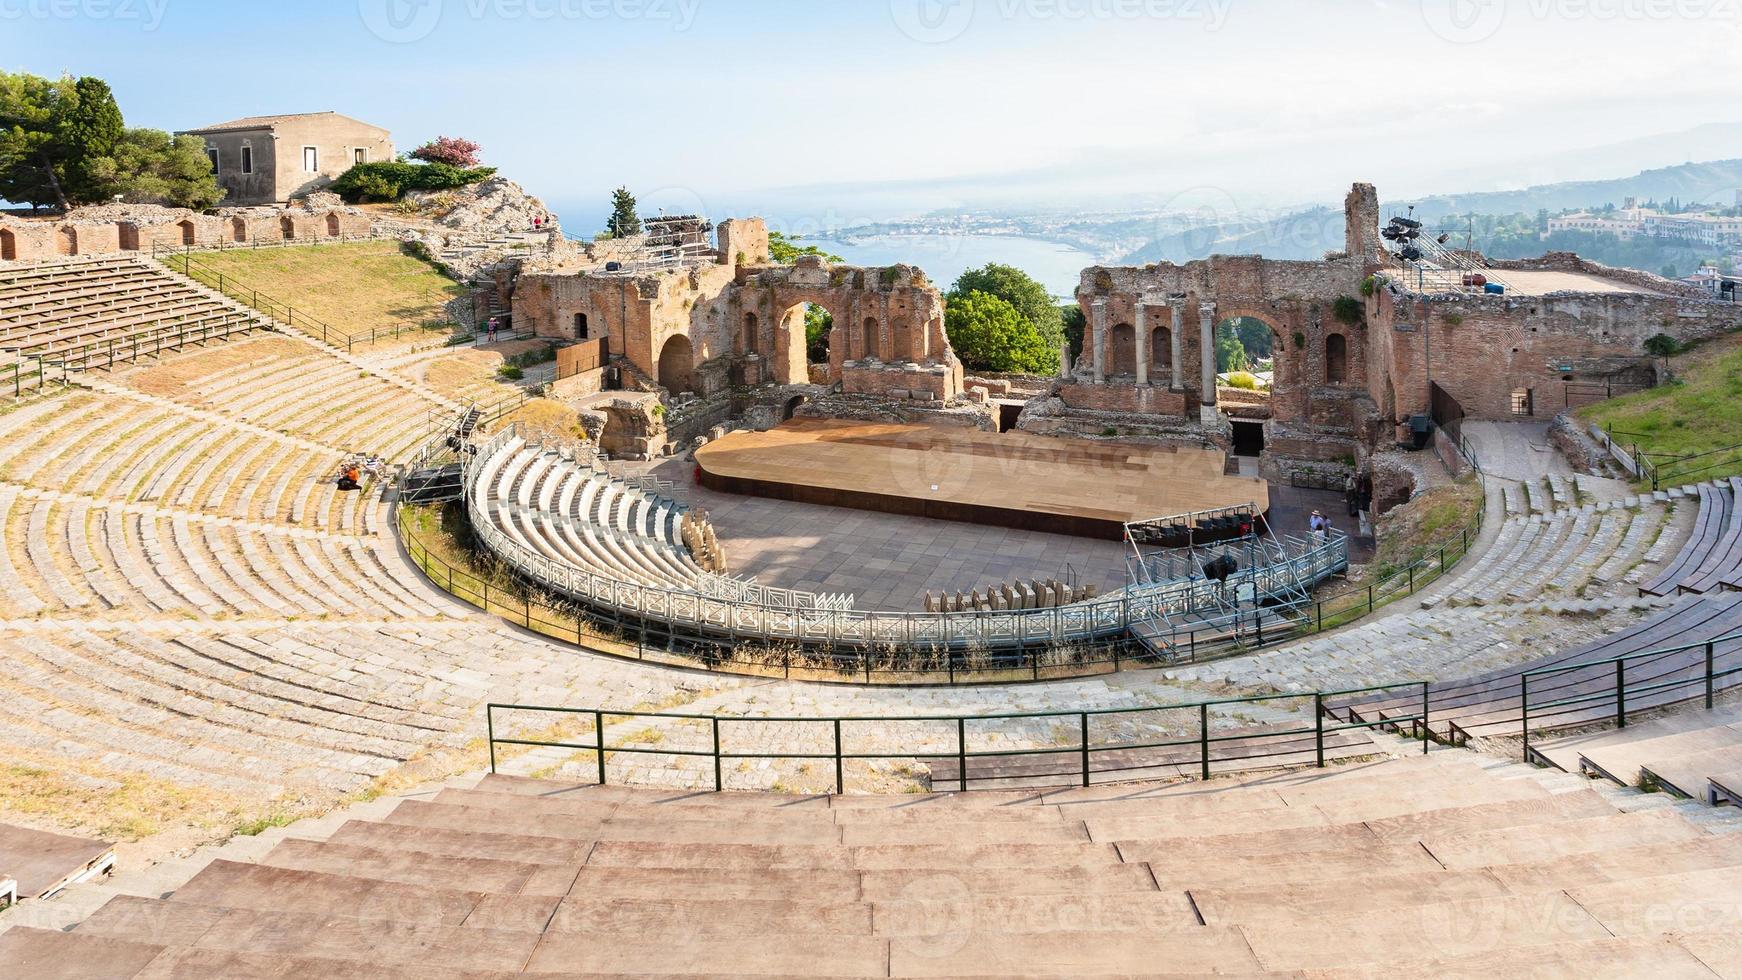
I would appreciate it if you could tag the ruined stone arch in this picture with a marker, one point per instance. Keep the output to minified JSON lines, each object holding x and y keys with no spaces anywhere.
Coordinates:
{"x":189,"y":234}
{"x":66,"y":241}
{"x":792,"y":355}
{"x":332,"y":224}
{"x":1122,"y":350}
{"x":677,"y":365}
{"x":1336,"y":358}
{"x":287,"y":227}
{"x":8,"y":245}
{"x":871,"y":339}
{"x":239,"y":229}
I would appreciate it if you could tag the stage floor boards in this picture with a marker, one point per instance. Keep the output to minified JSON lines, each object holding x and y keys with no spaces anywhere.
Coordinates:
{"x":1011,"y":479}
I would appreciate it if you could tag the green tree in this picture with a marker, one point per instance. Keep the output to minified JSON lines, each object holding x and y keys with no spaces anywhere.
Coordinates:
{"x":625,"y":221}
{"x":1020,"y":290}
{"x":1071,"y":315}
{"x":1255,"y":336}
{"x":150,"y":166}
{"x":90,"y":129}
{"x":32,"y":155}
{"x":818,"y":324}
{"x":1230,"y":354}
{"x":786,"y":250}
{"x":989,"y":334}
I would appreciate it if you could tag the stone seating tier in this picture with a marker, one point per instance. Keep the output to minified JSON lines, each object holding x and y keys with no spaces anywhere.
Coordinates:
{"x":1437,"y":866}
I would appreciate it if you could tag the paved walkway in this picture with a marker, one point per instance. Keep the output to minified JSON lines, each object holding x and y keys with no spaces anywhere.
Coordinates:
{"x":1515,"y":450}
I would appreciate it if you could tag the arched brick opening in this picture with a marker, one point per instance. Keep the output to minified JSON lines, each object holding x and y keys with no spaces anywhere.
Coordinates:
{"x":188,"y":235}
{"x":238,"y":230}
{"x":332,"y":225}
{"x":677,"y":365}
{"x":583,"y":329}
{"x":1122,"y":350}
{"x":1336,"y":359}
{"x":793,"y":348}
{"x":1161,"y":349}
{"x":901,"y":347}
{"x":66,"y":241}
{"x":8,"y":245}
{"x":871,"y":344}
{"x":287,"y":228}
{"x":749,"y":341}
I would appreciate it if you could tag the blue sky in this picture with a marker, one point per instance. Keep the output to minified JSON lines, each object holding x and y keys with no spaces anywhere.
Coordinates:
{"x":723,"y":102}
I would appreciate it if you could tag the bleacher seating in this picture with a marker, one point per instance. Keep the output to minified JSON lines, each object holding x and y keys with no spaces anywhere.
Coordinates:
{"x":1447,"y":865}
{"x":1712,"y":557}
{"x":66,"y":310}
{"x":1685,"y":753}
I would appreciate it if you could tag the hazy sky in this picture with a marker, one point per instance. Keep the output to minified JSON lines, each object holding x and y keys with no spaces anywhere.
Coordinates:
{"x":1264,"y":101}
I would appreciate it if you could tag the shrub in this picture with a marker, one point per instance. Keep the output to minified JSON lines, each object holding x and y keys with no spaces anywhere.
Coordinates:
{"x":1369,"y":286}
{"x":390,"y":181}
{"x":1348,"y":311}
{"x":451,"y":150}
{"x":509,"y":372}
{"x":1244,"y":380}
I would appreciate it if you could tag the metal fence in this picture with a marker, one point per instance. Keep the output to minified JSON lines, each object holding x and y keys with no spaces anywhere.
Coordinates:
{"x":1203,"y":751}
{"x":182,"y":261}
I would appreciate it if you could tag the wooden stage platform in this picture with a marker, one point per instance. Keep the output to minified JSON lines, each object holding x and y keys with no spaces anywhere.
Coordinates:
{"x":1014,"y":479}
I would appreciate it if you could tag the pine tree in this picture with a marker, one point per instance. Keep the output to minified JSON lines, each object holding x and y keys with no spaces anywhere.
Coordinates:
{"x":88,"y":131}
{"x":624,"y":221}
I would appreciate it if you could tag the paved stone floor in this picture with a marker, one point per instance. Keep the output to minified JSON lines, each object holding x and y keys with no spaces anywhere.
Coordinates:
{"x":890,"y":562}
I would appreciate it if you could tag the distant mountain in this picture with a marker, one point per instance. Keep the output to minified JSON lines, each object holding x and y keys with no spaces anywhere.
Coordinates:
{"x":1715,"y":182}
{"x":1309,"y":233}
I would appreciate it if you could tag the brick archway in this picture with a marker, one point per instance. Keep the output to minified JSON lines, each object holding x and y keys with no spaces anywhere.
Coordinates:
{"x":677,"y":365}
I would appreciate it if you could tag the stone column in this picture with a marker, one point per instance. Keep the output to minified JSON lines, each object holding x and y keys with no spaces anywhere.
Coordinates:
{"x":1207,"y":340}
{"x":1179,"y":325}
{"x":1064,"y":358}
{"x":1098,"y":311}
{"x":1142,"y":342}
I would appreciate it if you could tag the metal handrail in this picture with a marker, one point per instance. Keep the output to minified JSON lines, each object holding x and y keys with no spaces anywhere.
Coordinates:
{"x":274,"y":309}
{"x":1621,"y":691}
{"x":1084,"y":750}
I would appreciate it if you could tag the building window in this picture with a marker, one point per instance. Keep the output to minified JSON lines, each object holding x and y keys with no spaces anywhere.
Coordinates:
{"x":212,"y":155}
{"x":311,"y":160}
{"x":247,"y":159}
{"x":359,"y":155}
{"x":1521,"y":402}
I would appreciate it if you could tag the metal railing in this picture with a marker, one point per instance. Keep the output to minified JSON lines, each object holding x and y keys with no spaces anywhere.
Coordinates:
{"x":1693,"y":678}
{"x":183,"y":262}
{"x":222,"y":244}
{"x":1081,"y":761}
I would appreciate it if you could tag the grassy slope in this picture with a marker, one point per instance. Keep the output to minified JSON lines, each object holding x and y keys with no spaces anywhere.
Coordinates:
{"x":352,"y":287}
{"x":1701,"y":413}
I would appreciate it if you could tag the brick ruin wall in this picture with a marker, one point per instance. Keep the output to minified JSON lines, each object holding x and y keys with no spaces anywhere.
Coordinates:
{"x":709,"y":328}
{"x":36,"y":240}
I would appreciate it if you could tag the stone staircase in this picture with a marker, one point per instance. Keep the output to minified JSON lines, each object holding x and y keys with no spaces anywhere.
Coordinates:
{"x":1446,"y":865}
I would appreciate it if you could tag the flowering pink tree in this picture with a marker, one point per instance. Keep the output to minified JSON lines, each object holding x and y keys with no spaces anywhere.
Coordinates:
{"x":450,"y":150}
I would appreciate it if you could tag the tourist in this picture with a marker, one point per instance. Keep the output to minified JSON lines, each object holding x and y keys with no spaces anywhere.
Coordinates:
{"x":1351,"y":496}
{"x":492,"y":334}
{"x":1320,"y":525}
{"x":1364,"y":493}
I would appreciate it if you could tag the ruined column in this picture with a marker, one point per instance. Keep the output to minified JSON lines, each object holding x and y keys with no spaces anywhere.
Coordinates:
{"x":1064,"y":358}
{"x":1142,"y":341}
{"x":1207,"y":340}
{"x":1098,"y":311}
{"x":1179,"y":325}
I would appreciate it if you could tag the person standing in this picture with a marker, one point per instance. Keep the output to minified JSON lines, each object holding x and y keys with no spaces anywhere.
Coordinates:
{"x":492,"y":333}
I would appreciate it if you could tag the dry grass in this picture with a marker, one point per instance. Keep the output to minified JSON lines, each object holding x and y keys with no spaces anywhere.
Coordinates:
{"x":175,"y":377}
{"x":67,"y":797}
{"x":546,"y":419}
{"x":353,"y":287}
